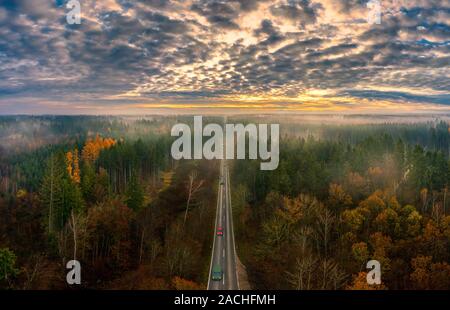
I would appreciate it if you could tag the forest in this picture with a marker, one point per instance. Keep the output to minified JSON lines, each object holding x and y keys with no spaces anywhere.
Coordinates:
{"x":344,"y":195}
{"x":105,"y":191}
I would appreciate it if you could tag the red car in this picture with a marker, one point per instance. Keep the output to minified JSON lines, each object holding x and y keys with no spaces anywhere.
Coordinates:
{"x":219,"y":231}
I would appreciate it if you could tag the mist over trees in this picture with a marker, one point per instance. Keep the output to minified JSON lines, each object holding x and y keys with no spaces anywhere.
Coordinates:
{"x":105,"y":191}
{"x":115,"y":202}
{"x":343,"y":195}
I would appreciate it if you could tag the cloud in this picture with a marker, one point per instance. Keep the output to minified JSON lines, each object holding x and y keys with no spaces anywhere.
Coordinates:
{"x":303,"y":12}
{"x":443,"y":99}
{"x":154,"y":51}
{"x":220,"y":14}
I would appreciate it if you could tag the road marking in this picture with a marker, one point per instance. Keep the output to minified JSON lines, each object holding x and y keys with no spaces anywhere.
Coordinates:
{"x":223,"y":253}
{"x":214,"y":236}
{"x":228,"y":194}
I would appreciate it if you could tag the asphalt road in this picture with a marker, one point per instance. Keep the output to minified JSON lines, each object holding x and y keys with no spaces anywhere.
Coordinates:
{"x":224,"y":251}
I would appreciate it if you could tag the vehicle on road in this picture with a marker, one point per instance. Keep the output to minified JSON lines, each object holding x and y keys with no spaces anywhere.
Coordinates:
{"x":217,"y":273}
{"x":219,"y":231}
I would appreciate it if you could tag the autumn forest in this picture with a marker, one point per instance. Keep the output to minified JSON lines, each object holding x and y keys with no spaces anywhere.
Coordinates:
{"x":106,"y":191}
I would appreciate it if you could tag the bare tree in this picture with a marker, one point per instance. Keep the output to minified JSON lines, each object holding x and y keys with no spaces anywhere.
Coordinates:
{"x":303,"y":273}
{"x":302,"y":237}
{"x":325,"y":220}
{"x":193,"y":187}
{"x":78,"y":226}
{"x":331,"y":275}
{"x":73,"y":227}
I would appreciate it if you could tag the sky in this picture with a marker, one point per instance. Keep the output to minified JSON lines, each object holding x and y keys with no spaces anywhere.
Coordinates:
{"x":276,"y":56}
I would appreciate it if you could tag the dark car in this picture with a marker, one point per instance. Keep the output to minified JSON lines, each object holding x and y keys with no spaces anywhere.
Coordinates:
{"x":217,"y":273}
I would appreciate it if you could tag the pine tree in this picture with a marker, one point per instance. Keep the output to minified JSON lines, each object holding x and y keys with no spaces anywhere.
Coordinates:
{"x":73,"y":200}
{"x":51,"y":192}
{"x":88,"y":182}
{"x":59,"y":194}
{"x":134,"y":194}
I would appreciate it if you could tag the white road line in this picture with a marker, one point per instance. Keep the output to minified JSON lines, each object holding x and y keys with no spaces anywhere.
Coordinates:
{"x":214,"y":237}
{"x":232,"y":225}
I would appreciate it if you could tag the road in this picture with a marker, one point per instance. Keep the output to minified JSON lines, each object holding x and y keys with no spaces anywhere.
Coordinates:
{"x":224,"y":251}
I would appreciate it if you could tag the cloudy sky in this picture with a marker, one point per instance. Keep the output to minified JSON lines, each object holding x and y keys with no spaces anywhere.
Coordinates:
{"x":236,"y":55}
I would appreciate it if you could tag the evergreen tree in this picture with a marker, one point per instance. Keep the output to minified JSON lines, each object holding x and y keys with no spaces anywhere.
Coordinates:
{"x":88,"y":182}
{"x":59,"y":194}
{"x":52,"y":191}
{"x":7,"y":265}
{"x":134,"y":194}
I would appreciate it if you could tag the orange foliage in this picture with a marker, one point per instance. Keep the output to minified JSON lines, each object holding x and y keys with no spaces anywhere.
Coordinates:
{"x":374,"y":204}
{"x":360,"y":283}
{"x":73,"y":165}
{"x":429,"y":275}
{"x":431,"y":232}
{"x":380,"y":243}
{"x":76,"y":167}
{"x":183,"y":284}
{"x":92,"y":148}
{"x":338,"y":197}
{"x":420,"y":276}
{"x":292,"y":211}
{"x":69,"y":161}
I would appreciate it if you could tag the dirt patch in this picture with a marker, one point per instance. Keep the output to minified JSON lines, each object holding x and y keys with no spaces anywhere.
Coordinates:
{"x":242,"y":276}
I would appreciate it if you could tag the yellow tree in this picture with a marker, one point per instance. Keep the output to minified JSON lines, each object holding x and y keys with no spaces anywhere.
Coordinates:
{"x":338,"y":198}
{"x":292,"y":209}
{"x":73,"y":165}
{"x":92,"y":148}
{"x":69,"y":162}
{"x":76,"y":167}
